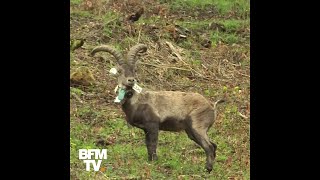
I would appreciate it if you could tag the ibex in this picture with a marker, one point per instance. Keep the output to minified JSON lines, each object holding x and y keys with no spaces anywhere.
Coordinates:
{"x":152,"y":111}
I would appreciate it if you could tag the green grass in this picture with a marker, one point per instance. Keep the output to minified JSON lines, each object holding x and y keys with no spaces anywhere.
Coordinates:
{"x":178,"y":155}
{"x":223,"y":37}
{"x":81,"y":13}
{"x":229,"y":36}
{"x":194,"y":25}
{"x":233,"y":25}
{"x":75,"y":2}
{"x":230,"y":25}
{"x":240,"y":7}
{"x":151,"y":20}
{"x":110,"y":21}
{"x":77,"y":91}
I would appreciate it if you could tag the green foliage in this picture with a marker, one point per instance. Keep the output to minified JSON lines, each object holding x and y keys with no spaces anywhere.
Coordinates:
{"x":81,"y":13}
{"x":75,"y":2}
{"x":110,"y":21}
{"x":240,"y":7}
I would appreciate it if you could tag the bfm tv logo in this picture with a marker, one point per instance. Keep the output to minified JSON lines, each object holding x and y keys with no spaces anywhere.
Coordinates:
{"x":87,"y":154}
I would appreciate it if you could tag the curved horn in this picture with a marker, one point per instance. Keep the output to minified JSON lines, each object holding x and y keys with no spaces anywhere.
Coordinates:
{"x":110,"y":50}
{"x":133,"y":52}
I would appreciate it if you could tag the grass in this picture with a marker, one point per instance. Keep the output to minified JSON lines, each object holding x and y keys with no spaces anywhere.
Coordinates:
{"x":178,"y":155}
{"x":228,"y":36}
{"x":128,"y":156}
{"x":232,"y":25}
{"x":75,"y":2}
{"x":240,"y":7}
{"x":95,"y":116}
{"x":81,"y":13}
{"x":217,"y":37}
{"x":110,"y":23}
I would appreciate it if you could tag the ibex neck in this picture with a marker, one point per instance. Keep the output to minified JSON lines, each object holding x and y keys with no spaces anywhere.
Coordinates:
{"x":127,"y":105}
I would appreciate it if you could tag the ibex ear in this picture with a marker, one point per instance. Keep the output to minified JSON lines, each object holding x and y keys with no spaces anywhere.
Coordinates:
{"x":115,"y":71}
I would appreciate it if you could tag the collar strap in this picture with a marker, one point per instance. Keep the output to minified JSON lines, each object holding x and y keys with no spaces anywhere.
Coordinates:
{"x":123,"y":94}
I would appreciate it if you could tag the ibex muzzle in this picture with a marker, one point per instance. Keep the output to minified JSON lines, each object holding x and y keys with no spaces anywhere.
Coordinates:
{"x":152,"y":111}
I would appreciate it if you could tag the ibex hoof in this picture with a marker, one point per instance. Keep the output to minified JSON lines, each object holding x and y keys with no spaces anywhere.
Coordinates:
{"x":209,"y":169}
{"x":153,"y":158}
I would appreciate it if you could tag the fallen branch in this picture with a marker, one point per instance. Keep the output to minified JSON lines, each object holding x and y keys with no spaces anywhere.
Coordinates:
{"x":166,"y":67}
{"x":182,"y":69}
{"x":243,"y":116}
{"x":139,"y":35}
{"x":204,"y":66}
{"x":175,"y":52}
{"x":221,"y":80}
{"x":243,"y":74}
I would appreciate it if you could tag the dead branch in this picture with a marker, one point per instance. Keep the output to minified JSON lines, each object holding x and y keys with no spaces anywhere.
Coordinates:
{"x":243,"y":116}
{"x":243,"y":74}
{"x":175,"y":52}
{"x":166,"y":67}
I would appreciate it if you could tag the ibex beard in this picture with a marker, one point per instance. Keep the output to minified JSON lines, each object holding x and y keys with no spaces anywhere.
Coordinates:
{"x":152,"y":111}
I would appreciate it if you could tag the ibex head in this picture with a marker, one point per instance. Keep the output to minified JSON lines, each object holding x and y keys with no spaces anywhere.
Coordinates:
{"x":125,"y":67}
